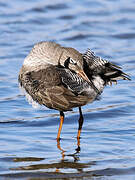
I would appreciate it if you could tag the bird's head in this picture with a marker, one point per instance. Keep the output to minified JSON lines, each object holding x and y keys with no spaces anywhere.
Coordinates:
{"x":76,"y":66}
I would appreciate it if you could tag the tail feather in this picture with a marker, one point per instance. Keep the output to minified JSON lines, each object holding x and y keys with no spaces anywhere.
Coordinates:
{"x":113,"y":73}
{"x":108,"y":71}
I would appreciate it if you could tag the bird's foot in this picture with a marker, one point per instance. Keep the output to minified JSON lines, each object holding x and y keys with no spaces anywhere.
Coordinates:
{"x":58,"y":139}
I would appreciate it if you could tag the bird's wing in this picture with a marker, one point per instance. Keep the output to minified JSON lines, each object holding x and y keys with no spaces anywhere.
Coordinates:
{"x":94,"y":65}
{"x":53,"y":87}
{"x":55,"y":76}
{"x":73,"y":81}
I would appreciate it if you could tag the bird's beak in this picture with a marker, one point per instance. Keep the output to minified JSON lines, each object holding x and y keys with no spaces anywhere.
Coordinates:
{"x":83,"y":75}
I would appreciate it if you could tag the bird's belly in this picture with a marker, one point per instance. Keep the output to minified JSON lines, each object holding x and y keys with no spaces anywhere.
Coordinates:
{"x":28,"y":97}
{"x":90,"y":93}
{"x":96,"y":90}
{"x":61,"y":98}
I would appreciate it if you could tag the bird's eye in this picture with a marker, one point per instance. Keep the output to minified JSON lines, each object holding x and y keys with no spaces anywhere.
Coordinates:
{"x":72,"y":61}
{"x":68,"y":61}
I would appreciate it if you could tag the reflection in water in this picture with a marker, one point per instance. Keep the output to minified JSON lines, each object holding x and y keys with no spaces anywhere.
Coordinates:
{"x":54,"y":167}
{"x":27,"y":159}
{"x":77,"y":150}
{"x":59,"y":147}
{"x":107,"y":147}
{"x":80,"y":121}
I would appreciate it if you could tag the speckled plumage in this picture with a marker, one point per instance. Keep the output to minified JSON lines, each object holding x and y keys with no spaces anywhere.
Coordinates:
{"x":62,"y":78}
{"x":45,"y":78}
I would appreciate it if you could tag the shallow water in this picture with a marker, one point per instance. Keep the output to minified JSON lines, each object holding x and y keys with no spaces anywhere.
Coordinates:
{"x":28,"y":147}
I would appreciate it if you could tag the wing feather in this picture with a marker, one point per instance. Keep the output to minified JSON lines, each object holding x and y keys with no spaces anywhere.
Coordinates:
{"x":48,"y":87}
{"x":109,"y":72}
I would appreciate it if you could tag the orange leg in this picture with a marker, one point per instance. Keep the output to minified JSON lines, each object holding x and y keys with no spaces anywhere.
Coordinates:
{"x":80,"y":124}
{"x":60,"y":126}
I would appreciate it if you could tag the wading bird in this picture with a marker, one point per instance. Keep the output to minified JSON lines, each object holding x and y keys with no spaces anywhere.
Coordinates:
{"x":62,"y":78}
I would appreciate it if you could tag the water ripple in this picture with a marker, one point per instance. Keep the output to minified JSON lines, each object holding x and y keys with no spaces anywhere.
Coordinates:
{"x":29,"y":149}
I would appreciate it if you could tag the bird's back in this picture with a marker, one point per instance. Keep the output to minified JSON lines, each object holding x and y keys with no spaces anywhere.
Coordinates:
{"x":50,"y":53}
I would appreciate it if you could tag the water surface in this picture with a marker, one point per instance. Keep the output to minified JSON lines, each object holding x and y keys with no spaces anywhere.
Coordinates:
{"x":28,"y":147}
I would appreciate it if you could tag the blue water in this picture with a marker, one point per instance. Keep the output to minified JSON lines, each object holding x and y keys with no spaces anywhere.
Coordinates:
{"x":28,"y":146}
